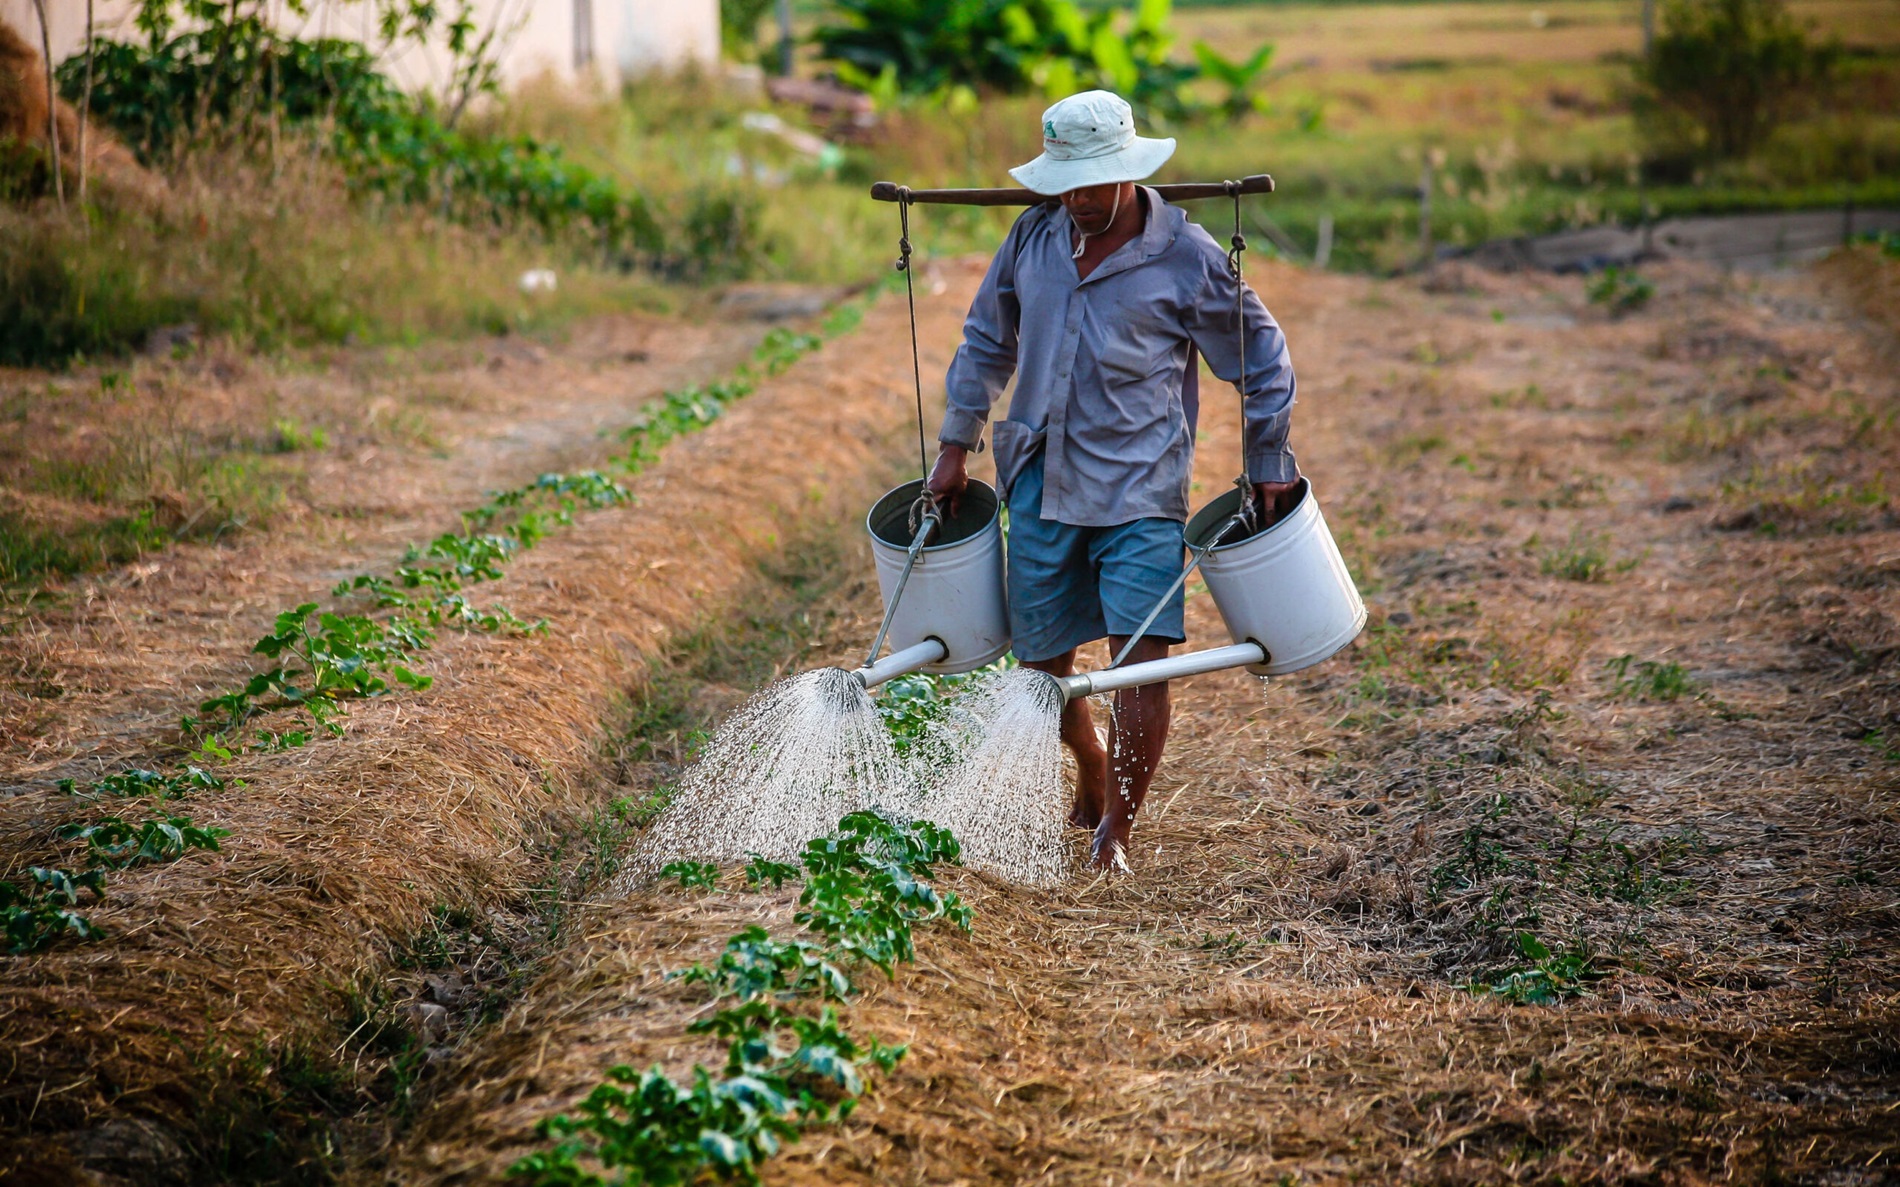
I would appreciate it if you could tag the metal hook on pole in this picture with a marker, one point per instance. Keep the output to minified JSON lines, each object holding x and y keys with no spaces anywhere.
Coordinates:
{"x":925,"y":517}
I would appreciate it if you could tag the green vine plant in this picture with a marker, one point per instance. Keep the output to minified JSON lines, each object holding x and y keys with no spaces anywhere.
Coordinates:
{"x":330,"y":658}
{"x":44,"y":909}
{"x":137,"y":782}
{"x":41,"y":911}
{"x":787,"y":1067}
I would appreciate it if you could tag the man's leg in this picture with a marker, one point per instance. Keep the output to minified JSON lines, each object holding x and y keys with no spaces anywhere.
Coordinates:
{"x":1078,"y":734}
{"x":1137,"y":735}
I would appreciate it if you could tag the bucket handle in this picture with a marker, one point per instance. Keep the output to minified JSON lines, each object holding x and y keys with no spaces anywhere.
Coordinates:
{"x":1240,"y":518}
{"x":924,"y":528}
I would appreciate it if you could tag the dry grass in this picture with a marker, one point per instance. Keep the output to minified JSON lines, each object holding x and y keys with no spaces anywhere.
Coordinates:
{"x":1357,"y":36}
{"x":1273,"y":995}
{"x":1872,"y":278}
{"x":271,"y":252}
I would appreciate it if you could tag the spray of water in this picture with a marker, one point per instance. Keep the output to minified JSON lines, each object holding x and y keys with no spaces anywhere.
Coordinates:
{"x":809,"y":749}
{"x":995,"y":763}
{"x":780,"y":771}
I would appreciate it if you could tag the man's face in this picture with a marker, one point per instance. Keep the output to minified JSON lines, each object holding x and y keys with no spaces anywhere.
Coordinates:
{"x":1092,"y":207}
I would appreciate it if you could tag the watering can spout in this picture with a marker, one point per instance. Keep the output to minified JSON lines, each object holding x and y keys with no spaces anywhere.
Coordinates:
{"x":1192,"y":663}
{"x":902,"y":663}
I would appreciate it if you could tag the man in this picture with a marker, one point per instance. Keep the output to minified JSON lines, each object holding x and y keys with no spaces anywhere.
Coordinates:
{"x":1101,"y":302}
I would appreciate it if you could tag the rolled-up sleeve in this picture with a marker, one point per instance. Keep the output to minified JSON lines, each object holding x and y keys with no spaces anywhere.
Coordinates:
{"x":987,"y":358}
{"x":1267,"y":397}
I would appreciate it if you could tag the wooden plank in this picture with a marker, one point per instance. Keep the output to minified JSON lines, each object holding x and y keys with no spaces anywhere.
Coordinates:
{"x":890,"y":191}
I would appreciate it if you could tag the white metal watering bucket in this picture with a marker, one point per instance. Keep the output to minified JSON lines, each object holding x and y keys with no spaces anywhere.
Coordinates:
{"x":955,"y":592}
{"x":1285,"y":588}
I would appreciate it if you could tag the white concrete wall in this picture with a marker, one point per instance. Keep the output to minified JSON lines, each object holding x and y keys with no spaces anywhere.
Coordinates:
{"x":643,"y":35}
{"x":630,"y":37}
{"x":66,"y":21}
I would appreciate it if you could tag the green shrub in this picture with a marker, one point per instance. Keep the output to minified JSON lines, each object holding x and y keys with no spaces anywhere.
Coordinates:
{"x":1013,"y":46}
{"x":167,"y":95}
{"x":164,"y":96}
{"x":1732,"y":68}
{"x":739,"y":27}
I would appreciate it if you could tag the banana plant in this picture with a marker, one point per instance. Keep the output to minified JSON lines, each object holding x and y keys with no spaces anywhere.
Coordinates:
{"x":1237,"y":76}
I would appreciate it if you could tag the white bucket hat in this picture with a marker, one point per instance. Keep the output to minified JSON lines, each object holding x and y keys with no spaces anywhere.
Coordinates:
{"x":1089,"y":139}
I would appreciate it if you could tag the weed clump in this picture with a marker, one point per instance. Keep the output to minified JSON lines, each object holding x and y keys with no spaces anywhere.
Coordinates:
{"x":1584,"y":557}
{"x":1652,"y":680}
{"x":1620,"y":291}
{"x":1546,"y":979}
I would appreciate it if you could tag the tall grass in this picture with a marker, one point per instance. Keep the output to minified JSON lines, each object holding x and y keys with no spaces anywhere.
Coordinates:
{"x":271,"y":258}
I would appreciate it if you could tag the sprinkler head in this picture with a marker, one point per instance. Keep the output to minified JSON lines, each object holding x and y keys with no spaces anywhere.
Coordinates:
{"x":1064,"y":688}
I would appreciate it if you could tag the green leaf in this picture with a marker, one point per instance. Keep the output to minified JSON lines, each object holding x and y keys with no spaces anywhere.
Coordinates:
{"x":1533,"y":948}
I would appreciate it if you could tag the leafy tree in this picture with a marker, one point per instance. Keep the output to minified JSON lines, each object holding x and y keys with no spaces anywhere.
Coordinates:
{"x":1012,"y":46}
{"x":1732,"y":68}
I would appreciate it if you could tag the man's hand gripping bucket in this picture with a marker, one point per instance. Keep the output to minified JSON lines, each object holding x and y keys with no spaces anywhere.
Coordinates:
{"x":1284,"y":587}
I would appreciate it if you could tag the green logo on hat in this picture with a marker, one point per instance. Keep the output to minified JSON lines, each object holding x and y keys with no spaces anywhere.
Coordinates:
{"x":1049,"y":129}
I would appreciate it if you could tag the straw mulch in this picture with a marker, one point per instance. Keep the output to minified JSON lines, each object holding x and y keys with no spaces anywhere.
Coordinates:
{"x":231,"y":987}
{"x":1275,"y":994}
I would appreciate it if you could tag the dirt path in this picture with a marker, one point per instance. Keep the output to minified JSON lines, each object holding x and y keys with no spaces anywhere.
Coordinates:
{"x":1709,"y":852}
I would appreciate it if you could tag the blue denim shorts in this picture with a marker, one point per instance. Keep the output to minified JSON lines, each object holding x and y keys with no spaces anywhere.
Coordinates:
{"x":1072,"y":585}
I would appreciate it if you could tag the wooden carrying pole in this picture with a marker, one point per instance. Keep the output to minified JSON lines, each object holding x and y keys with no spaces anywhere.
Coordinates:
{"x":890,"y":191}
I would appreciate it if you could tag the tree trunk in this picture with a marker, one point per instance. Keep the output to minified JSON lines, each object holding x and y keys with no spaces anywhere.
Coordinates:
{"x":52,"y":105}
{"x":85,"y":106}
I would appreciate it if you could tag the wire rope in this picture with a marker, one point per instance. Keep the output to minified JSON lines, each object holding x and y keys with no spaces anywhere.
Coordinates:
{"x":910,"y":298}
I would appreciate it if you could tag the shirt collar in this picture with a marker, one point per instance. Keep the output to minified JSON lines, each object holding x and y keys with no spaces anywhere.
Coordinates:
{"x":1158,"y":231}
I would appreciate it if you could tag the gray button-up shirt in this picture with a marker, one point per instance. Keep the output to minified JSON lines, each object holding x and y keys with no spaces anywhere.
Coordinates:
{"x":1108,"y":384}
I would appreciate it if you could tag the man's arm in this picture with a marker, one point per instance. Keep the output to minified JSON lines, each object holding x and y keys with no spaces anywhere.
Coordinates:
{"x":981,"y":369}
{"x":1267,"y":400}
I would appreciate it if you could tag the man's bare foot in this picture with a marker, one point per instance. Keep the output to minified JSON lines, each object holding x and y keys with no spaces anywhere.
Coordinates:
{"x":1109,"y":852}
{"x":1091,"y":785}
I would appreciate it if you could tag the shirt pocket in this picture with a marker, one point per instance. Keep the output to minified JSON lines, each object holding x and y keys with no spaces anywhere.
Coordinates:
{"x":1016,"y":443}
